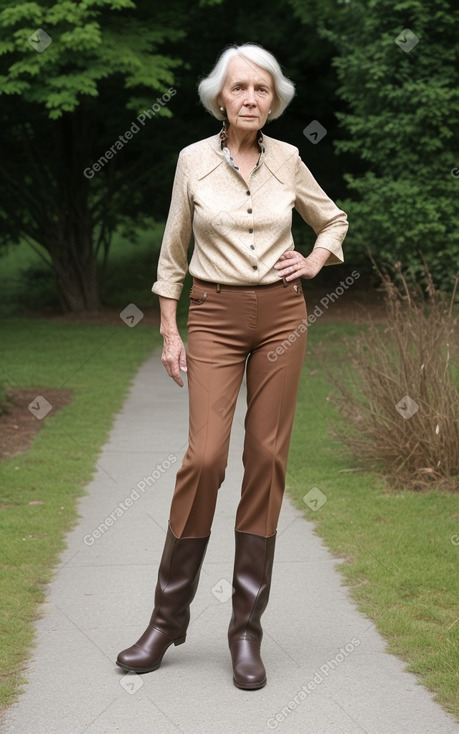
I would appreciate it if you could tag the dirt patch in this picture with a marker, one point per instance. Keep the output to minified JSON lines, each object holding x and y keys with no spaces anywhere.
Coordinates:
{"x":20,"y":423}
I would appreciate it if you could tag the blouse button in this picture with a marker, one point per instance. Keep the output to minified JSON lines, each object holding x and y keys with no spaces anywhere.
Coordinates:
{"x":252,"y":247}
{"x":249,"y":211}
{"x":255,"y":267}
{"x":248,"y":193}
{"x":250,"y":231}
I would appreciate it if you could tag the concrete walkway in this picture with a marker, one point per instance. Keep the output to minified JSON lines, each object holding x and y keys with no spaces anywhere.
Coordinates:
{"x":328,"y":672}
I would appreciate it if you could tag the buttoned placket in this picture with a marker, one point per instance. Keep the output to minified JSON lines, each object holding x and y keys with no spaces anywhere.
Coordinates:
{"x":249,"y":209}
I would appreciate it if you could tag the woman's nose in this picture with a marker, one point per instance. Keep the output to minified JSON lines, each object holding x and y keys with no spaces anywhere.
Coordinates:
{"x":250,"y":97}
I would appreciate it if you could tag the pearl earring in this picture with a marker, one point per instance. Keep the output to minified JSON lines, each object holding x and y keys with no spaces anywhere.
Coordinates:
{"x":222,"y":109}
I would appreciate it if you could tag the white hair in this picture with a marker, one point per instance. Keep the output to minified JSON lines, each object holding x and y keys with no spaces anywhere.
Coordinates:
{"x":210,"y":87}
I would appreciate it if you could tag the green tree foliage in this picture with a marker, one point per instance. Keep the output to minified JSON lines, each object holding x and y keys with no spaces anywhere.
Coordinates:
{"x":74,"y":77}
{"x":402,"y":102}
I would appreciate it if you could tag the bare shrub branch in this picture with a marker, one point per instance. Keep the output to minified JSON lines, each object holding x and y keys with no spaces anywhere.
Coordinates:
{"x":398,"y":400}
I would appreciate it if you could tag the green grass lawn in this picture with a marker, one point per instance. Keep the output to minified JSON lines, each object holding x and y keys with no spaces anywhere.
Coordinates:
{"x":97,"y":363}
{"x":399,"y":559}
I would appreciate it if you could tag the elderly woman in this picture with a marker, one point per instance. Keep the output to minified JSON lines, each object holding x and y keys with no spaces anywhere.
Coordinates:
{"x":235,"y":192}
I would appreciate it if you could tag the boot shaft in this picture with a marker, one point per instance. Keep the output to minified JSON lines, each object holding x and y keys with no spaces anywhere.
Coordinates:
{"x":178,"y":578}
{"x":253,"y":564}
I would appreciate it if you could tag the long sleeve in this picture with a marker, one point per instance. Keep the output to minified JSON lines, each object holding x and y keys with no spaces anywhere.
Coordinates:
{"x":321,"y":213}
{"x":173,"y":263}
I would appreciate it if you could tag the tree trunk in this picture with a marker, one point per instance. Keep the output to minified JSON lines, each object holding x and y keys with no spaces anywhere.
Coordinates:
{"x":75,"y":266}
{"x":78,"y":285}
{"x":71,"y":244}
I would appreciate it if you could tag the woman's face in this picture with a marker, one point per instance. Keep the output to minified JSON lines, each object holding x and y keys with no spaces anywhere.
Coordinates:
{"x":247,"y":94}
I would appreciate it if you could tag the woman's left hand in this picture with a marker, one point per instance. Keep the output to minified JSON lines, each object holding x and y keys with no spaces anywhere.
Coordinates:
{"x":292,"y":264}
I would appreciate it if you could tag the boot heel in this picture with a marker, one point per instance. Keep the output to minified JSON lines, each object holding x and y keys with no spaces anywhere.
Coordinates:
{"x":180,"y":640}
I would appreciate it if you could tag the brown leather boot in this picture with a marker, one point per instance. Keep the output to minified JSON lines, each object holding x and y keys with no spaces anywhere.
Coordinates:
{"x":253,"y":565}
{"x":178,"y":578}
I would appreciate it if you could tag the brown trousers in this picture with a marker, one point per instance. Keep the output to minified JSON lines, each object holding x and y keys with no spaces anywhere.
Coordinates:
{"x":260,"y":329}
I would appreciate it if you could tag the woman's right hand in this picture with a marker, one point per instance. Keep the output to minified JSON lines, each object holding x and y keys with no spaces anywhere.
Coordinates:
{"x":173,"y":357}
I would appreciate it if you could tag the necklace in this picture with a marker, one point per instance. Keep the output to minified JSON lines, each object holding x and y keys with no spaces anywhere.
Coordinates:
{"x":224,"y":144}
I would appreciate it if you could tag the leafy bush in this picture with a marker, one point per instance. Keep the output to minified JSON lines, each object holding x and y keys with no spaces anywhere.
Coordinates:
{"x":400,"y":404}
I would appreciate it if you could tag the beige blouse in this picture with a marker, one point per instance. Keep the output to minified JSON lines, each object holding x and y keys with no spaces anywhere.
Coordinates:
{"x":240,"y":232}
